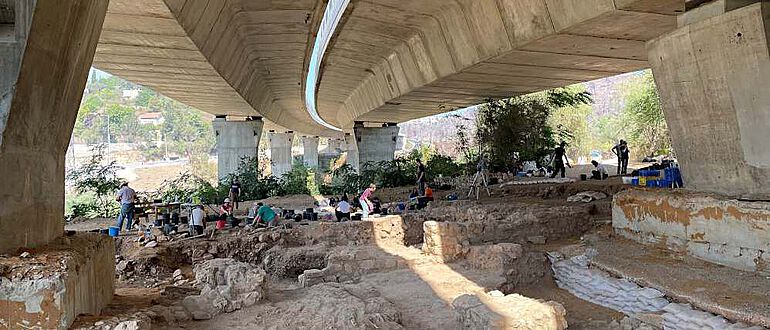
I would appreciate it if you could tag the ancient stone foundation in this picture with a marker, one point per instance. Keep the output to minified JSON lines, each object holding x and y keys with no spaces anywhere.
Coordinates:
{"x":48,"y":287}
{"x":497,"y":311}
{"x":710,"y":227}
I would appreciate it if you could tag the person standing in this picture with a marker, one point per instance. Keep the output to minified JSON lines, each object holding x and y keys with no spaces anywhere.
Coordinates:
{"x":366,"y":204}
{"x":235,"y":192}
{"x":622,"y":152}
{"x":421,"y":176}
{"x":198,"y":220}
{"x":126,"y":197}
{"x":559,"y":158}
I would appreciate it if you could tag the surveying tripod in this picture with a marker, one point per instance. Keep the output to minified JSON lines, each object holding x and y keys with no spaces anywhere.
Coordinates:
{"x":481,"y":178}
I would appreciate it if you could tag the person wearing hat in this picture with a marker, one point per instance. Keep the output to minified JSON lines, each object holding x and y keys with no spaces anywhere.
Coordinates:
{"x":226,"y":209}
{"x":126,"y":196}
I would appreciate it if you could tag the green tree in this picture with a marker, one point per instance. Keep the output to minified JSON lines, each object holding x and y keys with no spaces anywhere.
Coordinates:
{"x":517,"y":128}
{"x":642,"y":118}
{"x":98,"y":179}
{"x":186,"y":131}
{"x":570,"y":124}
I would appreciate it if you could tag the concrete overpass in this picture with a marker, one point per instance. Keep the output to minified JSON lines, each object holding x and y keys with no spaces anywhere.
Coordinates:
{"x":387,"y":61}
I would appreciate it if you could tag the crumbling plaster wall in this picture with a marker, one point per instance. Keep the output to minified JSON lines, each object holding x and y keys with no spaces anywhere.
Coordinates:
{"x":72,"y":276}
{"x":723,"y":231}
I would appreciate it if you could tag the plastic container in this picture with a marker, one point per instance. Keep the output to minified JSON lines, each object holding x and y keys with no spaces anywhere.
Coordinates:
{"x":628,"y":179}
{"x":221,"y":224}
{"x":635,"y":181}
{"x":114,"y":231}
{"x":652,"y":183}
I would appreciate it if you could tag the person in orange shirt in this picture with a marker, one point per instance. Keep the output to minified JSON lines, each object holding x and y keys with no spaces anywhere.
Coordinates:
{"x":429,"y":193}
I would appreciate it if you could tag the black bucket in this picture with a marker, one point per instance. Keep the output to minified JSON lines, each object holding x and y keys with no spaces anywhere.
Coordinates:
{"x":583,"y":177}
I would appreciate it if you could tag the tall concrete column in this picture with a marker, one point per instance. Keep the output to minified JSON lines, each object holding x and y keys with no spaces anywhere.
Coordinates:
{"x":236,"y":141}
{"x":329,"y":154}
{"x":713,"y":75}
{"x":280,"y":152}
{"x":351,"y":148}
{"x":310,"y":151}
{"x":334,"y":146}
{"x":44,"y":66}
{"x":376,"y":144}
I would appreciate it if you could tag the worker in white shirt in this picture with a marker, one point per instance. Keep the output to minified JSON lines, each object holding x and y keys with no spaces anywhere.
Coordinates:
{"x":600,"y":173}
{"x":198,"y":220}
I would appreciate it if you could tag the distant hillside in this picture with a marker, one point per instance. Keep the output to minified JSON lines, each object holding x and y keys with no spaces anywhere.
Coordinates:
{"x":441,"y":130}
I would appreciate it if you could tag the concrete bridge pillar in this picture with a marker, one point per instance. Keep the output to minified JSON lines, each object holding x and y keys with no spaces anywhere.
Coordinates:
{"x":44,"y":64}
{"x":310,"y":151}
{"x":280,"y":152}
{"x":45,"y":56}
{"x":713,"y":74}
{"x":376,"y":144}
{"x":236,"y":141}
{"x":329,"y":154}
{"x":351,"y":147}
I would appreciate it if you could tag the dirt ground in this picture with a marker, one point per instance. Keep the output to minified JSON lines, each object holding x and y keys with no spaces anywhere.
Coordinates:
{"x":419,"y":296}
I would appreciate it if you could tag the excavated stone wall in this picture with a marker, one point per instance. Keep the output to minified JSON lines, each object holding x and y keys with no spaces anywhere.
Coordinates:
{"x":513,"y":221}
{"x":52,"y":285}
{"x":497,"y":311}
{"x":350,"y":263}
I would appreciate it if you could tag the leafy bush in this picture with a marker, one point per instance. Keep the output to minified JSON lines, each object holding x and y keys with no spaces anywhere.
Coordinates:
{"x":344,"y":180}
{"x":98,"y":180}
{"x":517,"y":128}
{"x":295,"y":182}
{"x":443,"y":166}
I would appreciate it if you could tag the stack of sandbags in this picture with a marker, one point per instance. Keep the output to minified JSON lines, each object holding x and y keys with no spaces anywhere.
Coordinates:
{"x":575,"y":276}
{"x":684,"y":317}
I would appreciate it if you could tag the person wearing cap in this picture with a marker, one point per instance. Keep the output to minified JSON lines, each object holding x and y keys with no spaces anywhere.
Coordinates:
{"x":126,"y":196}
{"x":226,"y":209}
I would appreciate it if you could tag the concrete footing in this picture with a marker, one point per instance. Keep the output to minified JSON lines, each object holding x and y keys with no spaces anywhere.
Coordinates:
{"x":57,"y":282}
{"x":709,"y":227}
{"x":236,"y":141}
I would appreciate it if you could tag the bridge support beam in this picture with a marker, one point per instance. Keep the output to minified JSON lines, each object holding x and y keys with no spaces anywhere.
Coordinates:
{"x":43,"y":70}
{"x":45,"y":56}
{"x":376,"y":144}
{"x":712,"y":76}
{"x":236,"y":141}
{"x":310,"y":151}
{"x":280,"y":153}
{"x":351,"y":148}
